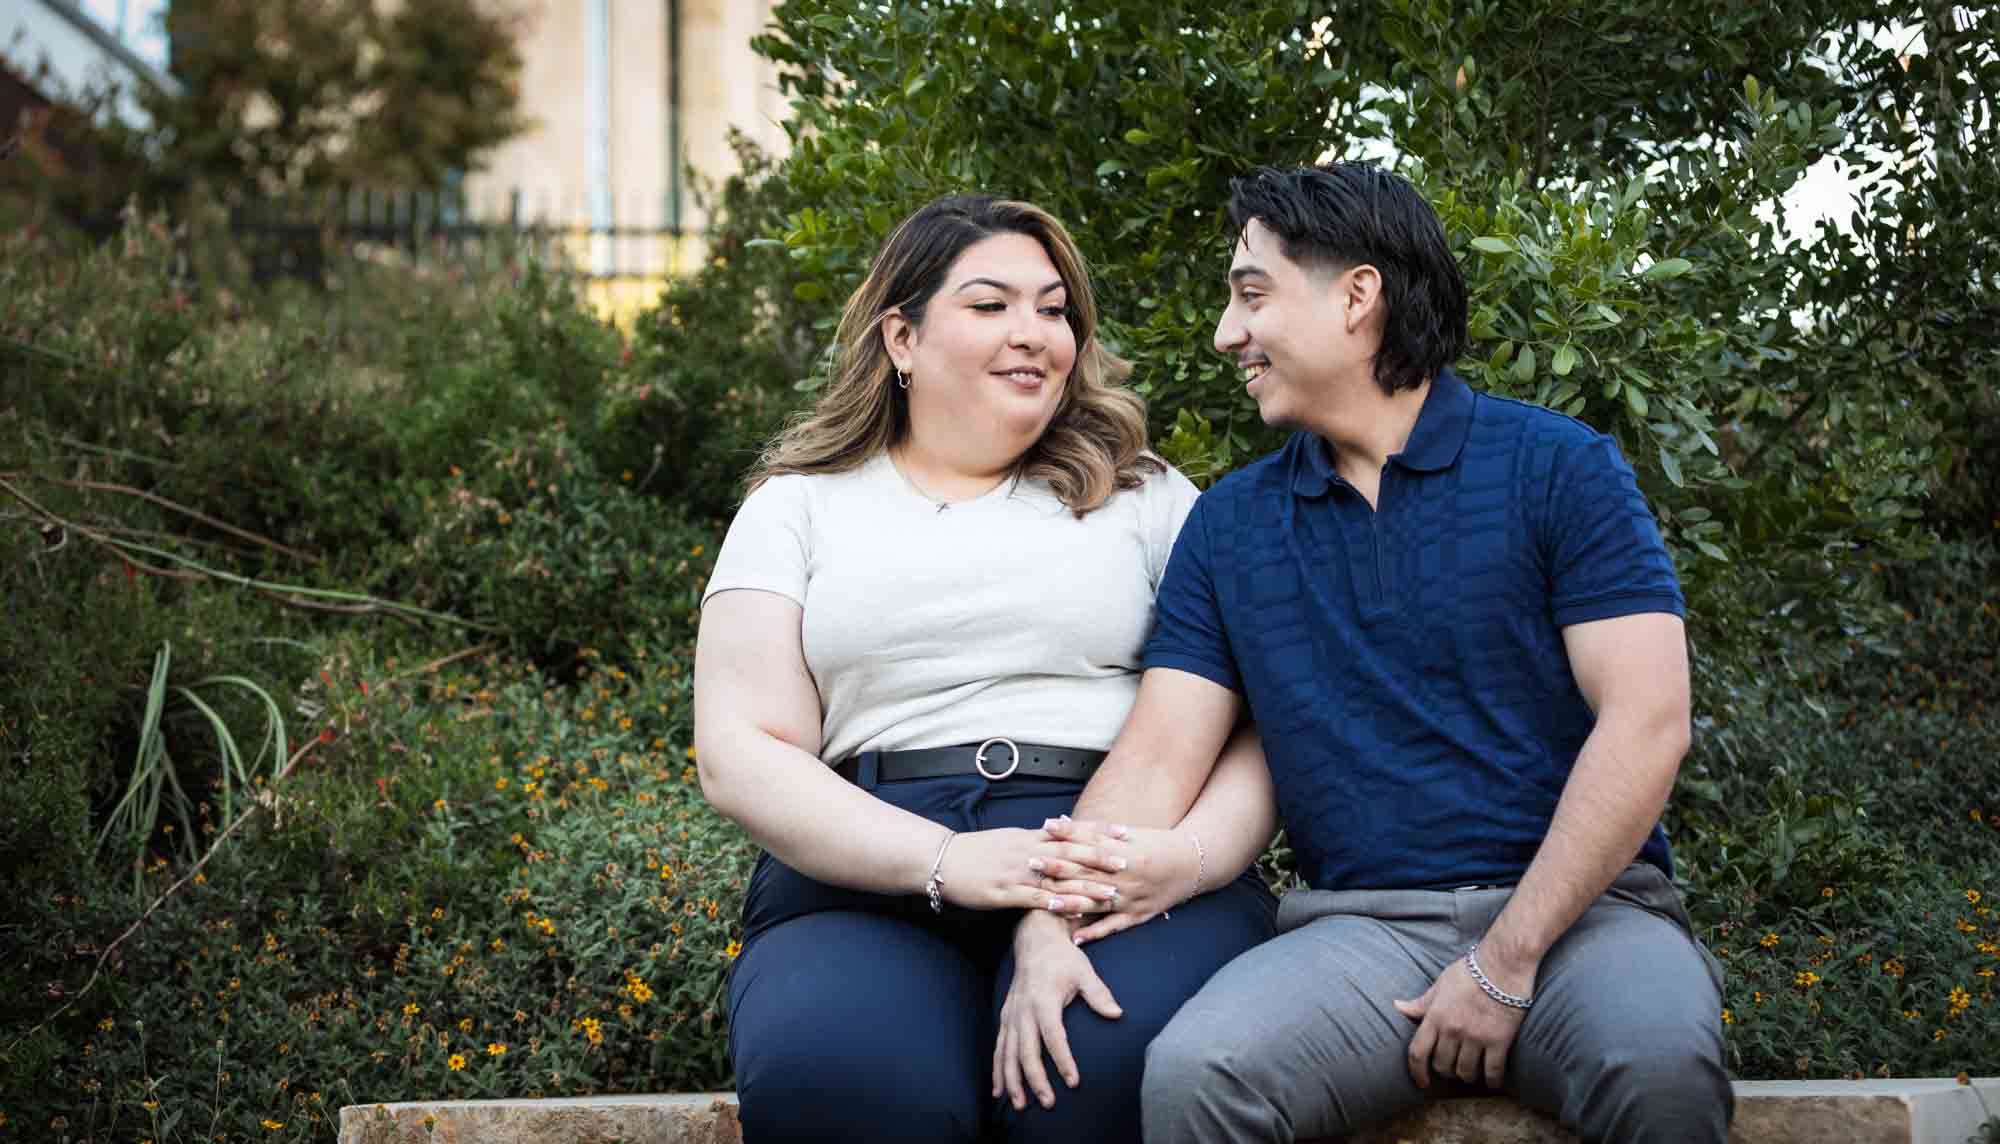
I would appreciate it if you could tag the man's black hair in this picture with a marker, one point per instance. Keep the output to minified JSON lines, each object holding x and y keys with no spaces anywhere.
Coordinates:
{"x":1346,"y":214}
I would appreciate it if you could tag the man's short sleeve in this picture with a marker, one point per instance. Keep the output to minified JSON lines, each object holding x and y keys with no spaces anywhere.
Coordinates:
{"x":1188,"y":631}
{"x":1606,"y":557}
{"x":769,"y":546}
{"x":1168,"y":498}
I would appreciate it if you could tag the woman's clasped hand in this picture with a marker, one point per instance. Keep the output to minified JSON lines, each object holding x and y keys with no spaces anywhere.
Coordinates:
{"x":1073,"y":867}
{"x":1147,"y":872}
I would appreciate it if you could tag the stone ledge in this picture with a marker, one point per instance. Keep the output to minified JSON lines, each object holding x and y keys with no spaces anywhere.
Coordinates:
{"x":1917,"y":1111}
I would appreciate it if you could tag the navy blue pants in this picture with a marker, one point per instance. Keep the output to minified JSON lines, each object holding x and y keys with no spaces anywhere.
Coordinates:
{"x":858,"y":1016}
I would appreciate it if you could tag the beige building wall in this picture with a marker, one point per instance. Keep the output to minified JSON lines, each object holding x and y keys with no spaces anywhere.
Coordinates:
{"x":549,"y":170}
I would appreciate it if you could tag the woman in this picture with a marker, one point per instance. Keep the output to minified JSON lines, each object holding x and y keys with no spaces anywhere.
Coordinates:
{"x":921,"y":634}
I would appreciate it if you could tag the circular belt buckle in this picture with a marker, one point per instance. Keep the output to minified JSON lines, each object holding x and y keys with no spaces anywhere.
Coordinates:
{"x":979,"y":758}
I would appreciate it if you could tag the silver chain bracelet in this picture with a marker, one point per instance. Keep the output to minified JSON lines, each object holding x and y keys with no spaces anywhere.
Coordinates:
{"x":1490,"y":989}
{"x":934,"y":885}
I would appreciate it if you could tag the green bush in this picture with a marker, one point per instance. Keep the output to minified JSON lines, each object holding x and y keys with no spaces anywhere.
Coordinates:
{"x":537,"y":544}
{"x":1838,"y":823}
{"x":483,"y":881}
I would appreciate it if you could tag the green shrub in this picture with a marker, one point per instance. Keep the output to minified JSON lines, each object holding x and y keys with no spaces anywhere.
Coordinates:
{"x":482,"y":882}
{"x":1838,"y":823}
{"x":534,"y":542}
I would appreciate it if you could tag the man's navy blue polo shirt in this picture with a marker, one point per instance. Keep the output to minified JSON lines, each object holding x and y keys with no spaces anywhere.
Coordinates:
{"x":1405,"y":664}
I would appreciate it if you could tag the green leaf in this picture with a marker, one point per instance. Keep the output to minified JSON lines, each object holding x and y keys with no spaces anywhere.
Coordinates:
{"x":1670,"y":463}
{"x":1138,"y":137}
{"x":1492,"y":244}
{"x":1635,"y":400}
{"x":1108,"y":167}
{"x":1564,"y":360}
{"x":809,"y":291}
{"x":1524,"y":365}
{"x":1669,"y":268}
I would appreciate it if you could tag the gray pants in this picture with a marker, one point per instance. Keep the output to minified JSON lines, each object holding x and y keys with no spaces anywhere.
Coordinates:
{"x":1297,"y":1038}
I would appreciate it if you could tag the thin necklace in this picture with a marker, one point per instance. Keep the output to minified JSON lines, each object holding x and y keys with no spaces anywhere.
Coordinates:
{"x":925,"y":493}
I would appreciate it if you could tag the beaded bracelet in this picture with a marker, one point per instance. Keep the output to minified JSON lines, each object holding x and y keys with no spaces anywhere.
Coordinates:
{"x":1492,"y":990}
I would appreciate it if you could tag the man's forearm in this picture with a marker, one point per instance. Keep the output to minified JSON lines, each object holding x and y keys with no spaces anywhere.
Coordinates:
{"x":1164,"y":754}
{"x":1613,"y":797}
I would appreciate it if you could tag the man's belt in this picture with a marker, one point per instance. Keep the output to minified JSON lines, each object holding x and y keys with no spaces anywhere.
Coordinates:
{"x":996,"y":758}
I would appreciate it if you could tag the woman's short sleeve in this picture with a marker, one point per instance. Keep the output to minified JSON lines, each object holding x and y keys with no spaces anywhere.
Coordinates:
{"x":769,"y":546}
{"x":1169,"y":498}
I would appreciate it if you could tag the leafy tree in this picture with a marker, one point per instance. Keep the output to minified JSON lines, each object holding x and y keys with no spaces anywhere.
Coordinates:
{"x":286,"y":95}
{"x":1611,"y":174}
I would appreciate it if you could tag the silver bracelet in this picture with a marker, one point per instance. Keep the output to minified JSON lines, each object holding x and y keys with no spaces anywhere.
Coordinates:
{"x":934,"y":885}
{"x":1490,"y":989}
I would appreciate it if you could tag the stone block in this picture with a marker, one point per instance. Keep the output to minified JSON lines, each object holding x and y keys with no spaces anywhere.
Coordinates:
{"x":1915,"y":1111}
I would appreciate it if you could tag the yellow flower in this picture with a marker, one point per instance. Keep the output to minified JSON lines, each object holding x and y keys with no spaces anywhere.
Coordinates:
{"x":1972,"y":897}
{"x":1937,"y":1034}
{"x":1757,"y":997}
{"x":496,"y":1049}
{"x":271,"y":1125}
{"x":1893,"y":967}
{"x":1826,"y":891}
{"x":465,"y":1024}
{"x":695,"y":551}
{"x":1805,"y":979}
{"x":1768,"y":941}
{"x":105,"y":1025}
{"x":411,"y":1009}
{"x":1957,"y":1001}
{"x":1728,"y":1018}
{"x":455,"y":1062}
{"x":735,"y":947}
{"x":500,"y":783}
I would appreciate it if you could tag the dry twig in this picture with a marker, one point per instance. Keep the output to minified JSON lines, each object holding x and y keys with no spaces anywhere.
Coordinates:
{"x":172,"y":506}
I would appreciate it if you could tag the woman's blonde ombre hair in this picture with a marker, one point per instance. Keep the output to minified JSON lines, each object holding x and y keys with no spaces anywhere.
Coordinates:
{"x":1095,"y":444}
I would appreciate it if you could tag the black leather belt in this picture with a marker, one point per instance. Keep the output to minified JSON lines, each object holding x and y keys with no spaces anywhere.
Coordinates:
{"x":996,"y":758}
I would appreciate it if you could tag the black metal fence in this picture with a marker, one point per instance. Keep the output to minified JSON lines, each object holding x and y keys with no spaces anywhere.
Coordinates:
{"x":293,"y":235}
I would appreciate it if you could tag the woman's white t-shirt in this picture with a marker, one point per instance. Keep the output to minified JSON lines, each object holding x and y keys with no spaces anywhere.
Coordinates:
{"x":1003,"y":615}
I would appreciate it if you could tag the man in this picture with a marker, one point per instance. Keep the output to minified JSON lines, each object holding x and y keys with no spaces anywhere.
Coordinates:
{"x":1458,"y":631}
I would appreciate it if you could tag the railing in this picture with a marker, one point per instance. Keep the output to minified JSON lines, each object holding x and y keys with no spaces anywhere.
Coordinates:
{"x":624,"y":265}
